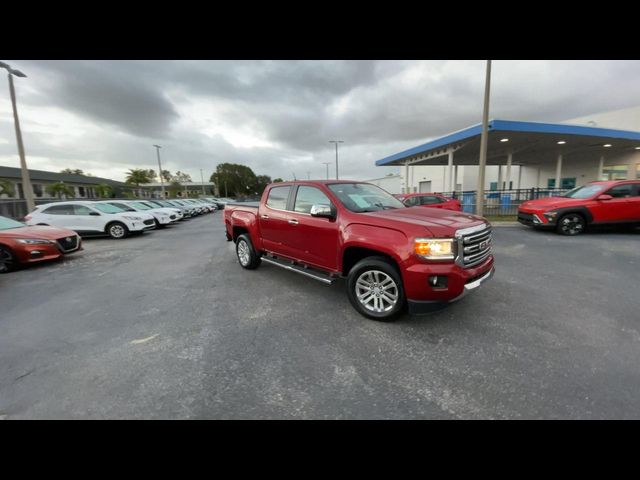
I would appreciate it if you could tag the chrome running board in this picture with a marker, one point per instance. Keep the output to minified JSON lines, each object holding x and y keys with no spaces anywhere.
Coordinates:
{"x":306,"y":271}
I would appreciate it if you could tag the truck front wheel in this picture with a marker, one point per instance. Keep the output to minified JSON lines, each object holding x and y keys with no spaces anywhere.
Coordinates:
{"x":247,"y":255}
{"x":374,"y":288}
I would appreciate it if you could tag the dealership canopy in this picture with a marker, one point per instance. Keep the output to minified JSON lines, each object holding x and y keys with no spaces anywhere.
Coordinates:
{"x":519,"y":143}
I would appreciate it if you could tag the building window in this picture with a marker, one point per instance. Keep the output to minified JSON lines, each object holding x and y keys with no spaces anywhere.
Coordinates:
{"x":615,"y":172}
{"x":37,"y":190}
{"x":81,"y":192}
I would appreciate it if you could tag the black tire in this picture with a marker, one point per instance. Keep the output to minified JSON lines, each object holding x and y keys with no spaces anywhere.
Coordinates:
{"x":7,"y":263}
{"x":117,"y":230}
{"x":158,"y":224}
{"x":571,"y":224}
{"x":376,"y":268}
{"x":248,"y":258}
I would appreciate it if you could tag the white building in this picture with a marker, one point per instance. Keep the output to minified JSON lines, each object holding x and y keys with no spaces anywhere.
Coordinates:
{"x":392,"y":183}
{"x":527,"y":154}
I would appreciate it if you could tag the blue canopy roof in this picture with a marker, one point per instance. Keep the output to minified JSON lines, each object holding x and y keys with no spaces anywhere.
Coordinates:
{"x":534,"y":128}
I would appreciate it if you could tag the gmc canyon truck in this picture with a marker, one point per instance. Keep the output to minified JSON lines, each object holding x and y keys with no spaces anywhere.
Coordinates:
{"x":390,"y":255}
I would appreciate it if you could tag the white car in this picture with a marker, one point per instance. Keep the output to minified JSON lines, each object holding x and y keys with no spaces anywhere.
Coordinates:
{"x":91,"y":218}
{"x":162,"y":216}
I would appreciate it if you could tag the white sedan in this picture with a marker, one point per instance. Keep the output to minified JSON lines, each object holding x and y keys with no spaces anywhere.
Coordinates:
{"x":91,"y":218}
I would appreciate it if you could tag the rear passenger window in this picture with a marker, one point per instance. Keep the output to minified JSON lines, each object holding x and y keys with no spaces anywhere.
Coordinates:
{"x":430,"y":200}
{"x":278,"y":197}
{"x":621,"y":191}
{"x":59,"y":210}
{"x":309,"y":196}
{"x":411,"y":201}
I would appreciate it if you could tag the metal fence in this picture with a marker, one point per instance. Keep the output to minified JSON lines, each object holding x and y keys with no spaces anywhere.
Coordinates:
{"x":502,"y":202}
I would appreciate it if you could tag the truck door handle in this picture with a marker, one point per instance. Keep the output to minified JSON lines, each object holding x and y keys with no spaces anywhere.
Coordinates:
{"x":265,"y":216}
{"x":293,"y":221}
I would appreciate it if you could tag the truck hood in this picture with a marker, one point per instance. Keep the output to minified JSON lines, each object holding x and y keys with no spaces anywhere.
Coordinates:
{"x":551,"y":202}
{"x":438,"y":221}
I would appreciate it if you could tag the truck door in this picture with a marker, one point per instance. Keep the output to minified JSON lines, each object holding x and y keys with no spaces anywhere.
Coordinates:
{"x":273,"y":218}
{"x":312,"y":240}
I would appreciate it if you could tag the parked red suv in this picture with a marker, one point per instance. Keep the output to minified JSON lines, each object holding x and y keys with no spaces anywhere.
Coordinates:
{"x":433,"y":200}
{"x":597,"y":203}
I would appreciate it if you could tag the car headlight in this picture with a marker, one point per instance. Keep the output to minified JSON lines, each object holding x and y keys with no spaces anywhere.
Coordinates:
{"x":130,"y":217}
{"x":434,"y":248}
{"x":33,"y":241}
{"x":551,"y":215}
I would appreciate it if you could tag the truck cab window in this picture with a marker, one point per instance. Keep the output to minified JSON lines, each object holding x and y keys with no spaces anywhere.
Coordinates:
{"x":307,"y":197}
{"x":278,"y":197}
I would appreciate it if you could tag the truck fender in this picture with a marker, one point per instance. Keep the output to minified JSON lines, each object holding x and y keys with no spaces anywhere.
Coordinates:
{"x":248,"y":222}
{"x":389,"y":241}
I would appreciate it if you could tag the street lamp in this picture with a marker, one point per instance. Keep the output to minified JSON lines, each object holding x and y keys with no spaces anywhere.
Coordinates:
{"x":327,"y":164}
{"x":158,"y":147}
{"x":336,"y":142}
{"x":202,"y":180}
{"x":483,"y":143}
{"x":27,"y":189}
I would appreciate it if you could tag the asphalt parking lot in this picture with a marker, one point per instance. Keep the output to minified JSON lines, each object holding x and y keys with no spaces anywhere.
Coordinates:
{"x":167,"y":325}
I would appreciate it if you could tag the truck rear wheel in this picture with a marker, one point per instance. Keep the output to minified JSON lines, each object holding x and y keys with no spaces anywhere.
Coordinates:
{"x":247,"y":255}
{"x":375,"y":290}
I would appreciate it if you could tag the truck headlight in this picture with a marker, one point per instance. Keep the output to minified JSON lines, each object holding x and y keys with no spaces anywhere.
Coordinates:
{"x":434,"y":248}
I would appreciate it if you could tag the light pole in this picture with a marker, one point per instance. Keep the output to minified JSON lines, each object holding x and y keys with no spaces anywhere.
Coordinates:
{"x":327,"y":164}
{"x":202,"y":180}
{"x":336,"y":142}
{"x":158,"y":147}
{"x":483,"y":143}
{"x":27,"y":189}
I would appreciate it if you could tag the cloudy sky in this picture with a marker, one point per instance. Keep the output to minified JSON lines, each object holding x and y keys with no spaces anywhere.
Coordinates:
{"x":278,"y":116}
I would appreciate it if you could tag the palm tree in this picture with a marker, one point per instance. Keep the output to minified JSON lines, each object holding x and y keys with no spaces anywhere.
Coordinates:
{"x":6,"y":188}
{"x":104,"y":190}
{"x":136,"y":176}
{"x":59,"y":189}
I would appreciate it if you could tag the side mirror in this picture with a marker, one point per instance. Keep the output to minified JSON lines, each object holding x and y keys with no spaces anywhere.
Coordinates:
{"x":604,"y":197}
{"x":321,"y":210}
{"x":95,"y":214}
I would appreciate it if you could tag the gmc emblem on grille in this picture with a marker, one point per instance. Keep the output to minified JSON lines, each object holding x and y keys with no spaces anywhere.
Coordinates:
{"x":484,"y":244}
{"x":68,"y":239}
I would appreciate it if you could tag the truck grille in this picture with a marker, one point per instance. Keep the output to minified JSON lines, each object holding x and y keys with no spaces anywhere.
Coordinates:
{"x":474,"y":246}
{"x":68,"y":244}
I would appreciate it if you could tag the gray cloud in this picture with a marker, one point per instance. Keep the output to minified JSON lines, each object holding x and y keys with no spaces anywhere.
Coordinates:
{"x":377,"y":107}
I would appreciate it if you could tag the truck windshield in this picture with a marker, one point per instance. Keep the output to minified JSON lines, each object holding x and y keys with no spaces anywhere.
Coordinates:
{"x":583,"y":192}
{"x":364,"y":197}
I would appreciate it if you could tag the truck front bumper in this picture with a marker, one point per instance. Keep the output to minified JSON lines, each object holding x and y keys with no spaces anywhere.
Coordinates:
{"x":417,"y":307}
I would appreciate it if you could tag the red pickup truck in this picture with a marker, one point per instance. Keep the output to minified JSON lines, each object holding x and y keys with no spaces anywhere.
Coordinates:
{"x":391,"y":255}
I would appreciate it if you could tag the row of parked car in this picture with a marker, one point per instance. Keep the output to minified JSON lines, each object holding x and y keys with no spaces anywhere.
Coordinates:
{"x":55,"y":229}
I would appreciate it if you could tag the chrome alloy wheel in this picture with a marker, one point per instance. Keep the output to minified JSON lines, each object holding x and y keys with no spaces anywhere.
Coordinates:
{"x":244,"y":254}
{"x":376,"y":291}
{"x":117,"y":231}
{"x":571,"y":225}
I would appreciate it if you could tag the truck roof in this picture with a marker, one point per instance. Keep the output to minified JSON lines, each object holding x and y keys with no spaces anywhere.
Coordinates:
{"x":317,"y":182}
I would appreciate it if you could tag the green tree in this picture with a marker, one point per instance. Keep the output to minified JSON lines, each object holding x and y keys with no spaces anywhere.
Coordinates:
{"x":6,"y":188}
{"x":73,"y":171}
{"x":137,"y":176}
{"x":152,"y":175}
{"x":59,"y":189}
{"x":166,"y":175}
{"x":181,"y":177}
{"x":174,"y":188}
{"x":261,"y":182}
{"x":104,"y":190}
{"x":277,"y":180}
{"x":233,"y":179}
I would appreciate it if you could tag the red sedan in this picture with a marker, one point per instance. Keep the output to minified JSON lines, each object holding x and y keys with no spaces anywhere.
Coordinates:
{"x":433,"y":200}
{"x":21,"y":244}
